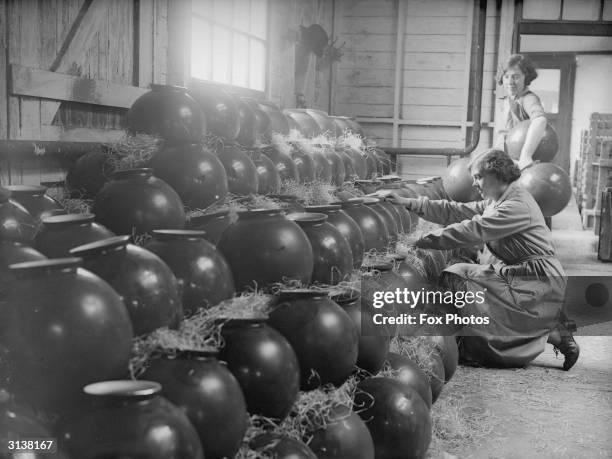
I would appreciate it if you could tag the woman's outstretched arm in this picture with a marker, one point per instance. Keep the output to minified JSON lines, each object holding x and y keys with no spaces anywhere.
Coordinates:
{"x":495,"y":223}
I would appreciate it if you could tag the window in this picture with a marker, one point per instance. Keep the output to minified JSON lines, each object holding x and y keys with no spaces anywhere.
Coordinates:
{"x":228,"y":42}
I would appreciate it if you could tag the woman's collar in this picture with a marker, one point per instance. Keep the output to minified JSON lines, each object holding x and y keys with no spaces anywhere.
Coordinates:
{"x":511,"y":187}
{"x":520,"y":94}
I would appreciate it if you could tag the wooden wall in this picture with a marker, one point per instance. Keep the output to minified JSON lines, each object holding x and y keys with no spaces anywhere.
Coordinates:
{"x":435,"y":80}
{"x":71,"y":71}
{"x":73,"y":67}
{"x":111,"y":50}
{"x":285,"y":19}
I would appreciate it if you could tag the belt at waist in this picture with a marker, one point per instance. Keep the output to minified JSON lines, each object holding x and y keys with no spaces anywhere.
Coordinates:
{"x":528,"y":258}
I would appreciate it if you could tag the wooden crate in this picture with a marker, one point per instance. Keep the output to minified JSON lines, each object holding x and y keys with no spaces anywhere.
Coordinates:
{"x":595,"y":167}
{"x":604,"y":250}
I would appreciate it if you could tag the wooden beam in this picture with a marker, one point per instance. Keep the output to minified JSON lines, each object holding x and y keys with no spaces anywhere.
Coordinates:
{"x":582,"y":28}
{"x":18,"y":150}
{"x":468,"y":69}
{"x":25,"y":81}
{"x":399,"y":68}
{"x":458,"y":124}
{"x":4,"y":25}
{"x":70,"y":36}
{"x":146,"y":22}
{"x":504,"y":49}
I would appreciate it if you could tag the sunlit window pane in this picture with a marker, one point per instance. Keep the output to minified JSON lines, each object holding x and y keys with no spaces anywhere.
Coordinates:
{"x":228,"y":43}
{"x":200,"y":49}
{"x":240,"y":74}
{"x":222,"y":11}
{"x":259,"y":18}
{"x":541,"y":9}
{"x":222,"y":52}
{"x":258,"y":66}
{"x":242,"y":15}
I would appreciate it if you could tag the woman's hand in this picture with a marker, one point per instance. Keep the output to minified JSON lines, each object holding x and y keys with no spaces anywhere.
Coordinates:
{"x":424,"y":242}
{"x":393,"y":197}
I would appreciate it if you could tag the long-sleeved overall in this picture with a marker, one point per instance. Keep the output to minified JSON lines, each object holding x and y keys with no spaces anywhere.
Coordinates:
{"x":523,"y":290}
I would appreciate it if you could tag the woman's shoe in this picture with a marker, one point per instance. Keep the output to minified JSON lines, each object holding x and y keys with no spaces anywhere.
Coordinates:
{"x":570,"y":349}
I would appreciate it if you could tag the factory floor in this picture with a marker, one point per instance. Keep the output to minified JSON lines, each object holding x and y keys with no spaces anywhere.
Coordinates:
{"x":541,"y":411}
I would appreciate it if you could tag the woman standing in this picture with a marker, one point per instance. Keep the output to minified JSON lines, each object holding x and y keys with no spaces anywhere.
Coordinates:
{"x":524,"y":289}
{"x":520,"y":104}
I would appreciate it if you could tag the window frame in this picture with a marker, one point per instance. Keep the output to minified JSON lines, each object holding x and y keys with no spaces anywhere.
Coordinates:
{"x":195,"y":82}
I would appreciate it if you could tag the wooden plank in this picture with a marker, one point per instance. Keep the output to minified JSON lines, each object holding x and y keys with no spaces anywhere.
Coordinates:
{"x":14,"y":21}
{"x":432,"y":113}
{"x":117,"y":48}
{"x":443,"y":134}
{"x":179,"y":42}
{"x":366,"y":77}
{"x":335,"y":65}
{"x":367,"y":110}
{"x":435,"y":43}
{"x":4,"y":26}
{"x":421,"y":166}
{"x":419,"y":8}
{"x":59,"y":133}
{"x":434,"y":97}
{"x":370,"y":95}
{"x":50,"y":46}
{"x":412,"y":43}
{"x":426,"y":113}
{"x":504,"y":49}
{"x":441,"y":79}
{"x":367,"y":26}
{"x":411,"y":96}
{"x":48,"y":35}
{"x":360,"y":59}
{"x":468,"y":70}
{"x":160,"y":42}
{"x":383,"y":60}
{"x":86,"y":18}
{"x":322,"y":99}
{"x":128,"y":44}
{"x":381,"y":131}
{"x":369,"y":42}
{"x":26,"y":81}
{"x":422,"y":135}
{"x":29,"y":54}
{"x":399,"y":66}
{"x":415,"y":25}
{"x":76,"y":46}
{"x":145,"y":41}
{"x":102,"y":119}
{"x":369,"y":8}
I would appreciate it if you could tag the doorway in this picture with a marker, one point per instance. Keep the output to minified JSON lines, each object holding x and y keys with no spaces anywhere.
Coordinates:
{"x":555,"y":87}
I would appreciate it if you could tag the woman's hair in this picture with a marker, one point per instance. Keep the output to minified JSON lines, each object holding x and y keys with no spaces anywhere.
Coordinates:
{"x":497,"y":163}
{"x":523,"y":63}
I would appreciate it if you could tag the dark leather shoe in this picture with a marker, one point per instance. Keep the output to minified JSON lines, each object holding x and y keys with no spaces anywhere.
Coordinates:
{"x":570,"y":326}
{"x":570,"y":349}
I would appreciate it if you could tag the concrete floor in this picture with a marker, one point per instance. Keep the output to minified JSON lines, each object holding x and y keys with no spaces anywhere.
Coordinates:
{"x":541,"y":411}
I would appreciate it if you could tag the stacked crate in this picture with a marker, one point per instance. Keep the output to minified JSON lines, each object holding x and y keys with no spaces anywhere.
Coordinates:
{"x":595,"y":167}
